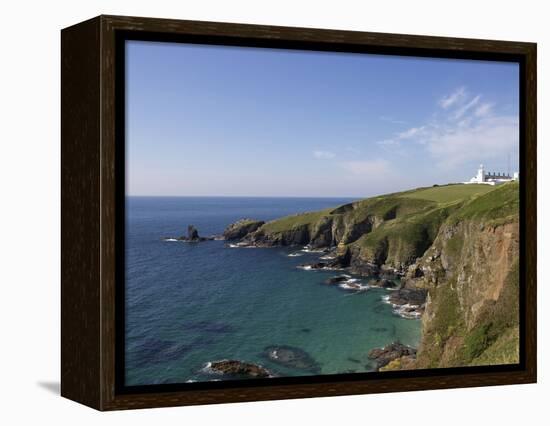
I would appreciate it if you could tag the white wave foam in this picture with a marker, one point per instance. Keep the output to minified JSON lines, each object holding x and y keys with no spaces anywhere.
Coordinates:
{"x":207,"y":368}
{"x":241,"y":245}
{"x":305,"y":267}
{"x":407,"y":311}
{"x":310,"y":250}
{"x":354,"y":285}
{"x":170,"y":239}
{"x":295,"y":254}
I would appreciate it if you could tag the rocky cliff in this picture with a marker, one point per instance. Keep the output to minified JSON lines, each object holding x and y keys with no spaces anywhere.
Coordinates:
{"x":471,"y":273}
{"x":457,"y":244}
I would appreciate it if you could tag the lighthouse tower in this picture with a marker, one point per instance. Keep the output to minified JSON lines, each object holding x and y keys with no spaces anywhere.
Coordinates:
{"x":480,"y":177}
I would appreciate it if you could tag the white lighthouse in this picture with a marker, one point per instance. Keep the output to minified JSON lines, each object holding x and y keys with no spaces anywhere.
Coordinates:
{"x":491,"y":178}
{"x":480,"y":177}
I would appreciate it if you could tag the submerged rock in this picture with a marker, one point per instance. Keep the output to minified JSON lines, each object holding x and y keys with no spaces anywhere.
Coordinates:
{"x":292,"y":357}
{"x":393,"y":351}
{"x":239,"y":369}
{"x":241,"y":228}
{"x":209,"y":327}
{"x":154,"y":351}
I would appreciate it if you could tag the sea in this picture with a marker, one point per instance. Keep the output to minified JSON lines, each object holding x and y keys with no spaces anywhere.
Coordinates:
{"x":189,"y":304}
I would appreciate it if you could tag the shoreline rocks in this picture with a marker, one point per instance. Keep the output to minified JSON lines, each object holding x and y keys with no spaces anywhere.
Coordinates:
{"x":241,"y":228}
{"x":411,"y":296}
{"x":408,"y":303}
{"x":339,"y":279}
{"x":382,"y":283}
{"x":239,"y":369}
{"x":383,"y":356}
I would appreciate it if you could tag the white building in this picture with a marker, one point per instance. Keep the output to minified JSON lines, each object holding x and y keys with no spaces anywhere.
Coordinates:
{"x":491,"y":178}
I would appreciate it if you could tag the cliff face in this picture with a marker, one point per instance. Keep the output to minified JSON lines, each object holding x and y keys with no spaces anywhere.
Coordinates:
{"x":391,"y":230}
{"x":471,"y":272}
{"x":459,"y":244}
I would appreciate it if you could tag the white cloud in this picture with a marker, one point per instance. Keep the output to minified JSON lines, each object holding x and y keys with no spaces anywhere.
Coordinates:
{"x":484,"y":109}
{"x":467,"y":130}
{"x":456,"y":97}
{"x":410,"y":133}
{"x":324,"y":155}
{"x":459,"y":112}
{"x":485,"y":139}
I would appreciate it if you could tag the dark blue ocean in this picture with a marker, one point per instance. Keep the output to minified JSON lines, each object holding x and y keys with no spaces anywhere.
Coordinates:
{"x":188,"y":304}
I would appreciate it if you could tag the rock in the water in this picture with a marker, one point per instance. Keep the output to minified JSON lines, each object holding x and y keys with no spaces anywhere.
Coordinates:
{"x":385,"y":355}
{"x":382,"y":282}
{"x":192,"y":233}
{"x":193,"y":236}
{"x":366,"y":269}
{"x":241,"y":228}
{"x":239,"y":369}
{"x":408,"y":303}
{"x":408,"y":296}
{"x":316,"y":265}
{"x":337,"y":280}
{"x":292,"y":357}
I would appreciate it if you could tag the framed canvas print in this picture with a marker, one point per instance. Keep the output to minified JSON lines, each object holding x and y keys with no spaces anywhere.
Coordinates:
{"x":254,"y":212}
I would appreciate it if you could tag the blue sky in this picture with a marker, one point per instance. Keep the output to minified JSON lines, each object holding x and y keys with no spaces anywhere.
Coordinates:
{"x":233,"y":121}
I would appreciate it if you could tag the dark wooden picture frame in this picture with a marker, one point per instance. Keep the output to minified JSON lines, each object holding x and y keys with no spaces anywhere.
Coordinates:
{"x":92,"y":209}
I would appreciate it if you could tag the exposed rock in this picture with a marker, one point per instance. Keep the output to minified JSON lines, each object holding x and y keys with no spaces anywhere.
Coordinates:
{"x":383,"y":283}
{"x":292,"y":357}
{"x":365,"y":269}
{"x":337,"y":280}
{"x":472,"y":275}
{"x":409,"y":311}
{"x":415,"y":271}
{"x":193,"y":236}
{"x":192,"y":233}
{"x":239,"y":369}
{"x":241,"y":228}
{"x":403,"y":363}
{"x":383,"y":356}
{"x":408,"y":296}
{"x":316,"y":265}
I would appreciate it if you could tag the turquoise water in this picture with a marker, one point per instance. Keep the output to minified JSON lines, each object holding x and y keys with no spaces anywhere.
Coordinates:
{"x":188,"y":304}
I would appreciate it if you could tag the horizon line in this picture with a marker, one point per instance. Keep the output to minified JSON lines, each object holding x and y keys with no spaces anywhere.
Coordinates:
{"x":248,"y":196}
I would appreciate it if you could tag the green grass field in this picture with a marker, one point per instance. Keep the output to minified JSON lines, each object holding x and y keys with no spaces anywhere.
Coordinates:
{"x":290,"y":222}
{"x":413,"y":214}
{"x":449,"y":193}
